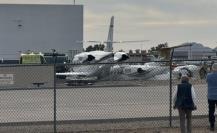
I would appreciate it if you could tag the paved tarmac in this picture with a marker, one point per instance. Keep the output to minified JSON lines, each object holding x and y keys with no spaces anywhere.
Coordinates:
{"x":92,"y":103}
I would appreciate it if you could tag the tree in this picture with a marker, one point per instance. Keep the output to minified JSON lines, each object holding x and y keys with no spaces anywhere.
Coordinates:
{"x":163,"y":45}
{"x":130,"y":51}
{"x":121,"y":50}
{"x":155,"y":50}
{"x":102,"y":47}
{"x":89,"y":48}
{"x":95,"y":47}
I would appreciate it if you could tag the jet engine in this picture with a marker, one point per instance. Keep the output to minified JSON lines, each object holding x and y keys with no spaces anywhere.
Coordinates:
{"x":83,"y":57}
{"x":120,"y":56}
{"x":140,"y":70}
{"x":90,"y":57}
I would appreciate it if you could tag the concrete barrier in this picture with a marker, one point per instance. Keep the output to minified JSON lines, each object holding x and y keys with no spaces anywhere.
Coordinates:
{"x":28,"y":76}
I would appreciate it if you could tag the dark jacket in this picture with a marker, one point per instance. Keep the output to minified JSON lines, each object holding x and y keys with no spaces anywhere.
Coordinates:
{"x":184,"y":96}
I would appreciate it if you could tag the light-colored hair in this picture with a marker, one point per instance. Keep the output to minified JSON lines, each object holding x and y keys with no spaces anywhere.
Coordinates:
{"x":214,"y":67}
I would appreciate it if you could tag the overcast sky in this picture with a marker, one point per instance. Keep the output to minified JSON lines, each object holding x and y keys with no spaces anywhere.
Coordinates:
{"x":160,"y":21}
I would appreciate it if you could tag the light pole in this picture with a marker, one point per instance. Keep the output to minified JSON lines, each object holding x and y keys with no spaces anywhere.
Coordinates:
{"x":171,"y":50}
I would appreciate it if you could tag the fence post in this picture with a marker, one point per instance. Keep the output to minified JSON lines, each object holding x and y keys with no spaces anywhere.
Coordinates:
{"x":170,"y":91}
{"x":54,"y":91}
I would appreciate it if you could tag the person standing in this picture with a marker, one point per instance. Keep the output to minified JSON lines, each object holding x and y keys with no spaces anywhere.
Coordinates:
{"x":211,"y":80}
{"x":184,"y":100}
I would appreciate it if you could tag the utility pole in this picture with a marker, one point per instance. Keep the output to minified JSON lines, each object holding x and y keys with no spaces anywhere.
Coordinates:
{"x":74,"y":2}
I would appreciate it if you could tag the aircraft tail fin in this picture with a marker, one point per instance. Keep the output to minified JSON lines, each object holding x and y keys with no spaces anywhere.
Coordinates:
{"x":109,"y":46}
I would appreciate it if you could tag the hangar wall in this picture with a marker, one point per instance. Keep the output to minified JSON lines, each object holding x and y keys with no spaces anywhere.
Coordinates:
{"x":39,"y":28}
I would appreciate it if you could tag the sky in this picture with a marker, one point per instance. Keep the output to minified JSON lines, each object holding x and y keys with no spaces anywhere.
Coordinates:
{"x":160,"y":21}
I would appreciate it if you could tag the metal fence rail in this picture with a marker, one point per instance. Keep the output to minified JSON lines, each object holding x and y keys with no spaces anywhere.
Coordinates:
{"x":127,"y":92}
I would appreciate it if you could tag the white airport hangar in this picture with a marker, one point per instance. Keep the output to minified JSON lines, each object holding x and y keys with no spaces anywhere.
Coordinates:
{"x":40,"y":28}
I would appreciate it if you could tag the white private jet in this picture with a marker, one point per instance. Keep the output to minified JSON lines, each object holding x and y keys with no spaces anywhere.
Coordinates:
{"x":94,"y":65}
{"x":135,"y":72}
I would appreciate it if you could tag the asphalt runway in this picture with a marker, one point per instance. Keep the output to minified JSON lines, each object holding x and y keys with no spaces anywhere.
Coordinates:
{"x":92,"y":103}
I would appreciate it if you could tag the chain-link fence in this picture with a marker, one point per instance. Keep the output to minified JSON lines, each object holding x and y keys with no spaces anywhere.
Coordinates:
{"x":101,"y":96}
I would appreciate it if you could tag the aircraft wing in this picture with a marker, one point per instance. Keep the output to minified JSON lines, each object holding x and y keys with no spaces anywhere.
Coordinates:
{"x":73,"y":78}
{"x":72,"y":73}
{"x":102,"y":42}
{"x":133,"y":41}
{"x":93,"y":41}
